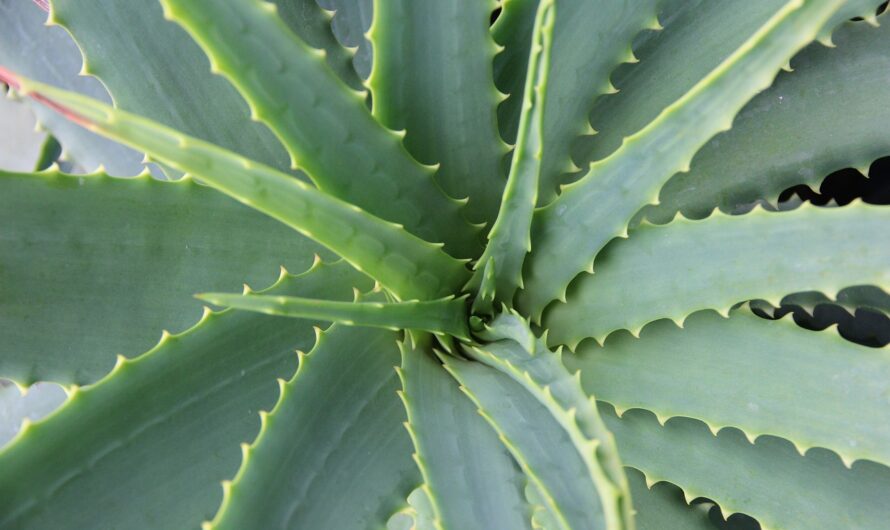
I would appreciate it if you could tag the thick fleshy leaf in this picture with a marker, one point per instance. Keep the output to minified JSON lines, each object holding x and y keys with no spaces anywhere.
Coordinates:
{"x":662,"y":506}
{"x":470,"y":479}
{"x":512,"y":30}
{"x":729,"y":259}
{"x":768,"y":480}
{"x":811,"y":122}
{"x":313,"y":25}
{"x":352,"y":18}
{"x":409,"y":266}
{"x":183,"y":407}
{"x":601,"y":204}
{"x":541,"y":373}
{"x":172,"y":82}
{"x":760,"y":376}
{"x":49,"y":55}
{"x":432,"y":77}
{"x":325,"y":126}
{"x":446,"y":316}
{"x":510,"y":240}
{"x":542,"y":447}
{"x":338,"y":417}
{"x":93,"y":266}
{"x":697,"y":36}
{"x":590,"y":40}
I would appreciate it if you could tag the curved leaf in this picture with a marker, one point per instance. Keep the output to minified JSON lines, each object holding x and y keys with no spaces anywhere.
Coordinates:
{"x":759,"y":376}
{"x":93,"y":266}
{"x":337,"y":417}
{"x":325,"y":126}
{"x":352,"y":19}
{"x":172,"y":83}
{"x":811,"y":122}
{"x":509,"y":240}
{"x":722,"y":260}
{"x":184,"y":406}
{"x":402,"y":262}
{"x":446,"y":316}
{"x":538,"y":442}
{"x":600,"y":205}
{"x":768,"y":480}
{"x":432,"y":77}
{"x":470,"y":479}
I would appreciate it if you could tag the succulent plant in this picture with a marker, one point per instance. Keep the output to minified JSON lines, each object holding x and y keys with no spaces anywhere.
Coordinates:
{"x":536,"y":250}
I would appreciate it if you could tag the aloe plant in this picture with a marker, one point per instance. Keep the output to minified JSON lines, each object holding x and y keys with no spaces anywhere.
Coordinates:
{"x":532,"y":261}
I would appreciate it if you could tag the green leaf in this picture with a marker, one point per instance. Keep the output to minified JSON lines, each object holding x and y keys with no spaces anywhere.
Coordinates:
{"x":446,"y":316}
{"x":151,"y":67}
{"x":470,"y":479}
{"x":509,"y":239}
{"x":722,"y":260}
{"x":541,"y":373}
{"x":337,"y":417}
{"x":779,"y":140}
{"x":313,"y":25}
{"x":590,"y":40}
{"x":409,"y":266}
{"x":767,"y":480}
{"x":432,"y":77}
{"x":352,"y":18}
{"x":92,"y":266}
{"x":512,"y":31}
{"x":184,"y":407}
{"x":47,"y":54}
{"x":737,"y":372}
{"x":602,"y":203}
{"x":697,"y":36}
{"x":542,"y":447}
{"x":662,"y":506}
{"x":325,"y":126}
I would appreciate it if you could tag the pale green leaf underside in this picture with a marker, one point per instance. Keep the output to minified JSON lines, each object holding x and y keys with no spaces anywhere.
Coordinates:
{"x":471,"y":481}
{"x":49,"y":55}
{"x":600,"y":205}
{"x":811,"y":122}
{"x":339,"y":414}
{"x":325,"y":126}
{"x":537,"y":441}
{"x":432,"y":77}
{"x":447,"y":316}
{"x":670,"y":271}
{"x":184,"y":408}
{"x":768,"y":480}
{"x":760,"y":376}
{"x":410,"y":267}
{"x":93,"y":266}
